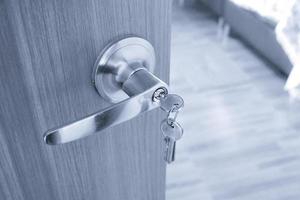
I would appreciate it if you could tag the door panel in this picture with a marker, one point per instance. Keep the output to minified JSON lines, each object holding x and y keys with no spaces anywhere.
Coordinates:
{"x":47,"y":53}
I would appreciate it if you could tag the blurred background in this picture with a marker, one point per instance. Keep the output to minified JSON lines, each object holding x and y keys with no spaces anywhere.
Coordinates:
{"x":235,"y":64}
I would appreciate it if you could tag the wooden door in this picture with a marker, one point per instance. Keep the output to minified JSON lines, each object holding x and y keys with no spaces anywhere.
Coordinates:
{"x":47,"y":52}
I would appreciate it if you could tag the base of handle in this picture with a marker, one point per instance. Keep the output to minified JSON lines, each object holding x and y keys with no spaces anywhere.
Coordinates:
{"x":118,"y":62}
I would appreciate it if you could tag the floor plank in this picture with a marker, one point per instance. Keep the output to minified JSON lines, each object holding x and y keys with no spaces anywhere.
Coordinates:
{"x":242,"y":137}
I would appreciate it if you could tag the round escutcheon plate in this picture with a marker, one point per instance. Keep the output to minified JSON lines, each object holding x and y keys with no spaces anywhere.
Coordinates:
{"x":116,"y":63}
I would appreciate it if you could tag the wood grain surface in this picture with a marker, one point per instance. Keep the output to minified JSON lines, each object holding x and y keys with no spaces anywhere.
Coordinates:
{"x":47,"y":53}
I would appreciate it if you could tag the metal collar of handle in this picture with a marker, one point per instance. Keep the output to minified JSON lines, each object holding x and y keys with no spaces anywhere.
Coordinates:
{"x":122,"y":75}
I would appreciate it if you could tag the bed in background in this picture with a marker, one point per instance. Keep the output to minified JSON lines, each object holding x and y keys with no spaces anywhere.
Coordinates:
{"x":255,"y":22}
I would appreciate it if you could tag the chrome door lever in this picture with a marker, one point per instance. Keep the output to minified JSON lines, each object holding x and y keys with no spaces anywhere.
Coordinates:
{"x":122,"y":75}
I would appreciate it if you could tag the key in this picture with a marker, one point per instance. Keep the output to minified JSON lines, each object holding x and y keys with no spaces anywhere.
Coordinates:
{"x":171,"y":102}
{"x":171,"y":132}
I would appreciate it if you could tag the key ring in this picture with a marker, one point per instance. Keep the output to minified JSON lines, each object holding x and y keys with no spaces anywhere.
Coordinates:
{"x":172,"y":115}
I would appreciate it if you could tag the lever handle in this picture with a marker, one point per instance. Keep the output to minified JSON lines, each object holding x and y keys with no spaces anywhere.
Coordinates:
{"x":114,"y":115}
{"x":115,"y":81}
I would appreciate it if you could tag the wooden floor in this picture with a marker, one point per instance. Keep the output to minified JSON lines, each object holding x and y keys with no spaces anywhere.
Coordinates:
{"x":242,"y":138}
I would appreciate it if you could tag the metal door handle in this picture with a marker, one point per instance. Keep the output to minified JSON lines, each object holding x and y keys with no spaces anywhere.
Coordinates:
{"x":122,"y":74}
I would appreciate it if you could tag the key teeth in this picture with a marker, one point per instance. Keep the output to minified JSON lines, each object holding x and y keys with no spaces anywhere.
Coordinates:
{"x":170,"y":150}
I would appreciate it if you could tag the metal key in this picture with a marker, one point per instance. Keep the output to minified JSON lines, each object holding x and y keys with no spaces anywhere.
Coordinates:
{"x":172,"y":132}
{"x":171,"y":102}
